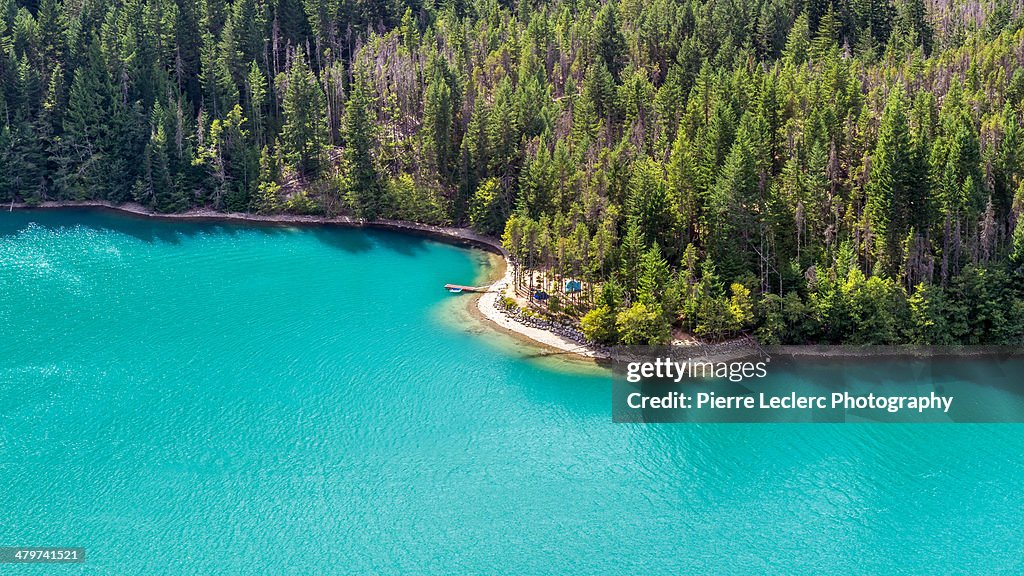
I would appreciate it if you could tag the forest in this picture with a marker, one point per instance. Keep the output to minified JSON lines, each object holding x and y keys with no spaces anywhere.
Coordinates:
{"x":804,"y":171}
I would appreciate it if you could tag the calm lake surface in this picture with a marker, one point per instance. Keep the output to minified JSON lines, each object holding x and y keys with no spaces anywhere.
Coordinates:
{"x":187,"y":398}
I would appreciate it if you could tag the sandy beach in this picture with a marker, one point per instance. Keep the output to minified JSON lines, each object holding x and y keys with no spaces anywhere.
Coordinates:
{"x":487,"y":306}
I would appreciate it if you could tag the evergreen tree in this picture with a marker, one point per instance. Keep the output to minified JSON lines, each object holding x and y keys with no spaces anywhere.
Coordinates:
{"x":890,"y":190}
{"x":649,"y":204}
{"x":364,"y":193}
{"x":732,"y":222}
{"x":609,"y":42}
{"x":81,"y":151}
{"x":438,"y":120}
{"x":159,"y":189}
{"x":486,"y":208}
{"x":654,"y":276}
{"x":303,"y":136}
{"x":257,"y":83}
{"x":798,"y":42}
{"x":1017,"y":244}
{"x":267,"y":200}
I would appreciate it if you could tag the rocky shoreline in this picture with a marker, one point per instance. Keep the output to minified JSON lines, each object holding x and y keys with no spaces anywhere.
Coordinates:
{"x":567,"y":331}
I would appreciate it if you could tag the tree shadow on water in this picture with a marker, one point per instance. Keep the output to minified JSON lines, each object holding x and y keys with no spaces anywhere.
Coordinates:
{"x":147,"y":229}
{"x":359,"y":240}
{"x":97,"y":220}
{"x":174,"y":231}
{"x":406,"y":244}
{"x":347,"y":240}
{"x":151,"y":230}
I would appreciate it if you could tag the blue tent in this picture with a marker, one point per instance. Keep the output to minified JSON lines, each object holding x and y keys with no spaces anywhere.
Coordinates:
{"x":573,"y":286}
{"x":540,"y":295}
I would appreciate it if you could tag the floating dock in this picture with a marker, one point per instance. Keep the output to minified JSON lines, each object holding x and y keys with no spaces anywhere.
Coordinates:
{"x":461,"y":288}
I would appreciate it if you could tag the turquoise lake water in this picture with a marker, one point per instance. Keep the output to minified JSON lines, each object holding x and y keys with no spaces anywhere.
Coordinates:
{"x":187,"y":398}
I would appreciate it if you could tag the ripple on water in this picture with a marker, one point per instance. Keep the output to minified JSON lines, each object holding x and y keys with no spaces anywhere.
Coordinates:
{"x":191,"y":398}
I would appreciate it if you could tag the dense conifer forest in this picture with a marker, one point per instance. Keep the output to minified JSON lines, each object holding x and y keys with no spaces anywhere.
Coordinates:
{"x":801,"y":170}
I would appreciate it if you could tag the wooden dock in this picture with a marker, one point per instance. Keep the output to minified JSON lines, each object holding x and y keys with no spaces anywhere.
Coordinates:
{"x":461,"y":288}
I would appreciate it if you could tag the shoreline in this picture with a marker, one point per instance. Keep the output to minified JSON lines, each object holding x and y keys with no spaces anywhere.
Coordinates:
{"x":452,"y":234}
{"x":484,"y":309}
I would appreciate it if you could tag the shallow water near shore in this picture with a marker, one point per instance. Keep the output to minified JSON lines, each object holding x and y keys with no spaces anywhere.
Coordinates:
{"x":200,"y":398}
